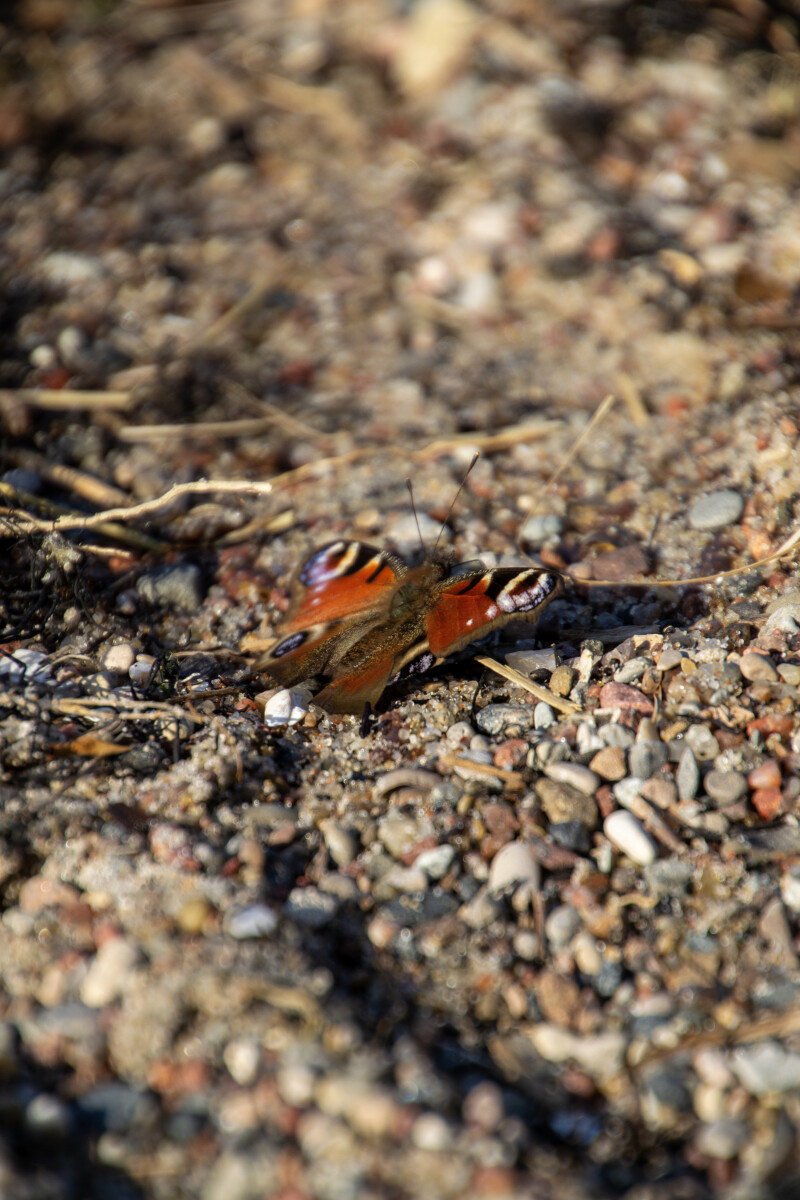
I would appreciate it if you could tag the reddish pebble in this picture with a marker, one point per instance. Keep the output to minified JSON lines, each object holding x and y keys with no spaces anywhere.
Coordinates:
{"x":39,"y":893}
{"x":772,"y":723}
{"x":510,"y":754}
{"x":768,"y":803}
{"x":768,"y":775}
{"x":622,"y":695}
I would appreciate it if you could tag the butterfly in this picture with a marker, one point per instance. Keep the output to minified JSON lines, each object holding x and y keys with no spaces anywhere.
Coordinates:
{"x":361,"y":618}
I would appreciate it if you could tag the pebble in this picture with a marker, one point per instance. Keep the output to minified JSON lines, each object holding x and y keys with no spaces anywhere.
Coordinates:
{"x":562,"y":680}
{"x":766,"y":1067}
{"x":24,"y":664}
{"x":289,"y":706}
{"x":645,"y":758}
{"x":757,"y":668}
{"x":587,"y":739}
{"x":609,"y":763}
{"x":242,"y":1057}
{"x":561,"y":926}
{"x":716,"y":510}
{"x":178,"y":587}
{"x":310,"y":907}
{"x":48,"y":1116}
{"x":109,"y":972}
{"x":702,"y":742}
{"x":543,"y":716}
{"x":668,"y":877}
{"x":632,"y":670}
{"x":257,"y":920}
{"x":482,"y":910}
{"x":562,"y":802}
{"x":514,"y":864}
{"x":527,"y":662}
{"x":119,"y":659}
{"x":621,"y":695}
{"x":790,"y":672}
{"x":725,"y":787}
{"x":790,"y":890}
{"x":687,"y":776}
{"x":575,"y":775}
{"x":626,"y":833}
{"x":117,"y":1107}
{"x":432,"y":1133}
{"x":617,"y":736}
{"x":399,"y":834}
{"x":341,"y":843}
{"x":767,"y":775}
{"x":573,"y":835}
{"x":601,"y":1055}
{"x":141,"y":672}
{"x":538,"y":529}
{"x":437,"y":861}
{"x":497,"y":718}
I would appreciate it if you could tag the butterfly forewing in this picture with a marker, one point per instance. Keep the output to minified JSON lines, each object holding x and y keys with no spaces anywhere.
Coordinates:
{"x":469,"y":607}
{"x":340,"y":579}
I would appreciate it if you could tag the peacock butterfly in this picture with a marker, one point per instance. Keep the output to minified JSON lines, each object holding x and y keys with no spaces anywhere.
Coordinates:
{"x":361,"y":618}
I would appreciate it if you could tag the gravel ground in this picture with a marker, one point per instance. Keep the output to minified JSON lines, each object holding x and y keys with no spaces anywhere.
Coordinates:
{"x":501,"y":944}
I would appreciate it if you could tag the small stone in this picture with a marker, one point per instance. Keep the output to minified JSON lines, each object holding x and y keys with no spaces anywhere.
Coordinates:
{"x":702,"y":742}
{"x":437,"y":861}
{"x":399,"y":834}
{"x":669,"y":658}
{"x":252,"y":922}
{"x":311,"y":907}
{"x":766,"y":1067}
{"x":558,"y":997}
{"x":626,"y":833}
{"x":119,"y":659}
{"x":722,"y":1138}
{"x":528,"y":662}
{"x":242,"y":1057}
{"x":178,"y":587}
{"x":716,"y":510}
{"x":460,"y":732}
{"x":667,"y":877}
{"x":660,"y":791}
{"x":482,"y":910}
{"x":562,"y":802}
{"x":109,"y":972}
{"x":790,"y":890}
{"x":790,"y":673}
{"x":572,"y":835}
{"x":586,"y":953}
{"x":575,"y":775}
{"x":483,"y":1106}
{"x":194,"y":915}
{"x":687,"y":776}
{"x":632,"y":670}
{"x":645,"y":758}
{"x":617,"y":735}
{"x":39,"y":893}
{"x":141,"y":672}
{"x":47,"y":1116}
{"x":288,"y":706}
{"x":587,"y":739}
{"x":767,"y":775}
{"x":562,"y":680}
{"x":342,"y":844}
{"x":768,"y":803}
{"x":621,"y":695}
{"x":757,"y":668}
{"x":497,"y":718}
{"x":543,"y":716}
{"x":725,"y":787}
{"x":609,"y":763}
{"x":526,"y":945}
{"x":514,"y":864}
{"x":431,"y":1132}
{"x":601,"y":1055}
{"x":545,"y":527}
{"x":561,"y":926}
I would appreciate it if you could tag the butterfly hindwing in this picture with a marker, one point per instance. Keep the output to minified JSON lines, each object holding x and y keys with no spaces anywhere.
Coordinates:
{"x":470,"y":606}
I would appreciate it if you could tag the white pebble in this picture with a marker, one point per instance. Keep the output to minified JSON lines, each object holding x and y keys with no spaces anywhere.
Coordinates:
{"x":141,"y":671}
{"x":628,"y":835}
{"x":513,"y":864}
{"x":109,"y":972}
{"x":287,"y":707}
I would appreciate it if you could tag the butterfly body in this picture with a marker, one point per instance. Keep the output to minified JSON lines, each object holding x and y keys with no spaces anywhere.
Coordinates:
{"x":361,"y":617}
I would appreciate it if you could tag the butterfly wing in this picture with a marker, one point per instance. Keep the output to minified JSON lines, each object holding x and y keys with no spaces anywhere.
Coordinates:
{"x":470,"y":606}
{"x":336,"y":585}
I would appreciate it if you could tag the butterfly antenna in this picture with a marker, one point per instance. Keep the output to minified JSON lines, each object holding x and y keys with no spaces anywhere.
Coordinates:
{"x":414,"y":510}
{"x":475,"y":458}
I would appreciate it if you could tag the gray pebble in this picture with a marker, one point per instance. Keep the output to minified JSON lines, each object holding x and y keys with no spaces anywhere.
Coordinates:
{"x":617,"y":735}
{"x":179,"y":588}
{"x":252,"y":922}
{"x":543,"y":716}
{"x":668,"y":877}
{"x":561,"y":926}
{"x":645,"y":758}
{"x":722,"y":1139}
{"x":436,"y":862}
{"x":529,"y":661}
{"x":632,"y":670}
{"x":687,"y":777}
{"x":542,"y":528}
{"x":716,"y":510}
{"x":309,"y":906}
{"x":47,"y":1116}
{"x":496,"y":718}
{"x":766,"y":1067}
{"x":482,"y":910}
{"x":116,"y":1107}
{"x":342,"y":844}
{"x":704,"y":745}
{"x":398,"y":834}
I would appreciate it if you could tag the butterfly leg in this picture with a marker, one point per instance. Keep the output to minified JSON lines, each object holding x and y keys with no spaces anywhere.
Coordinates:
{"x":367,"y":718}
